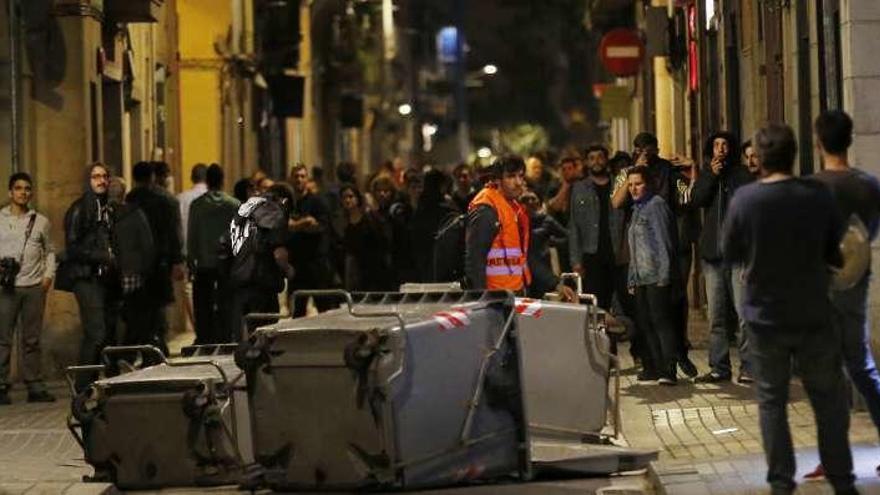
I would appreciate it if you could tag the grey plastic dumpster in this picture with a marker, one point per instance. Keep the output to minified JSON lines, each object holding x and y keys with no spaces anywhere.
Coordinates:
{"x":566,"y":367}
{"x":391,"y":391}
{"x":183,"y":422}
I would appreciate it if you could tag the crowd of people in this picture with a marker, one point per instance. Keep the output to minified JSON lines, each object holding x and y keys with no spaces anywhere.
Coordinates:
{"x":635,"y":226}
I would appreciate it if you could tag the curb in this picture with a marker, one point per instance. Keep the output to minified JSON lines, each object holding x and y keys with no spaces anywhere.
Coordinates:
{"x":683,"y":479}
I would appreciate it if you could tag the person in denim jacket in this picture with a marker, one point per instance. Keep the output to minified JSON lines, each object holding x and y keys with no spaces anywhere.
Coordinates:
{"x":652,"y":253}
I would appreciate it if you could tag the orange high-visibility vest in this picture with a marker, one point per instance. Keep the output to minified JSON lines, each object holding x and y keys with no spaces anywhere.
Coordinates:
{"x":506,"y":265}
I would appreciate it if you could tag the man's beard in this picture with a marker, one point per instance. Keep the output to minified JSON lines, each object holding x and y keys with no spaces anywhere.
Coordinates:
{"x":602,"y":172}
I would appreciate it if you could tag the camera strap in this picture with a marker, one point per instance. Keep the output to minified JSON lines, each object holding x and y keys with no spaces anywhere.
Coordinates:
{"x":27,"y":235}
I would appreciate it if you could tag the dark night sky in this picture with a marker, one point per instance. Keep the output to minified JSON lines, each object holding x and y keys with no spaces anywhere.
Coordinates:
{"x":541,"y":48}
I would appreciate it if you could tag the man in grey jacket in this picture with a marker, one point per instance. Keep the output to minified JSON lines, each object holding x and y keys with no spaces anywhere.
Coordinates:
{"x":25,"y":242}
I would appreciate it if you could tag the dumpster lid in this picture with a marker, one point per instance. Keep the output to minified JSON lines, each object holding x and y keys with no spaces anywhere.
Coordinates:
{"x":186,"y":370}
{"x":371,"y":310}
{"x":571,"y":456}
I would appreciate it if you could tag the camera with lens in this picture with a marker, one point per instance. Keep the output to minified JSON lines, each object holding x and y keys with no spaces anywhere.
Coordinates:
{"x":9,"y":268}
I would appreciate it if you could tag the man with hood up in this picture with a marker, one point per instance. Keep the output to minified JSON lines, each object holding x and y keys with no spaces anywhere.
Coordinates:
{"x":89,"y":267}
{"x":722,"y":174}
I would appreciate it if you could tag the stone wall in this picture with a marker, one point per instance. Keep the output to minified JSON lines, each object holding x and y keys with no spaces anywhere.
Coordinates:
{"x":860,"y":21}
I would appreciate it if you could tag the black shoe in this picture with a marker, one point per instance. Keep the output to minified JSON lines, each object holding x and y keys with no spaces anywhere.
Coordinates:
{"x":711,"y":377}
{"x":4,"y":398}
{"x":41,"y":396}
{"x":687,"y":367}
{"x":647,"y":376}
{"x":745,"y":378}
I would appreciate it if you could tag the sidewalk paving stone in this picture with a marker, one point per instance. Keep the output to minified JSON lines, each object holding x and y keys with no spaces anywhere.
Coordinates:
{"x":709,"y":438}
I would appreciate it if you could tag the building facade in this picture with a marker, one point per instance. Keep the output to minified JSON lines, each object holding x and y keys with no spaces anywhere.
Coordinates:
{"x":737,"y":64}
{"x":249,"y":84}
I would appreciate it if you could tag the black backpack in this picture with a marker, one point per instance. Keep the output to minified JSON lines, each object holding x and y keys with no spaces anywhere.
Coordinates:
{"x":449,"y":246}
{"x":251,"y":261}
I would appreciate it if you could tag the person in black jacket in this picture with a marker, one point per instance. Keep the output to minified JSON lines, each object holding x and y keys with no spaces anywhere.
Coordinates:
{"x":132,"y":243}
{"x":163,"y":213}
{"x":366,"y":244}
{"x":546,"y":232}
{"x":89,"y":260}
{"x":432,"y":209}
{"x":464,"y":190}
{"x":722,"y":174}
{"x":309,"y":242}
{"x":259,"y":258}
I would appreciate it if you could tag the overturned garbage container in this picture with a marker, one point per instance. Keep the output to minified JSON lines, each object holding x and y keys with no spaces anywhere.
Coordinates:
{"x":392,"y":390}
{"x":570,"y":384}
{"x":567,"y":366}
{"x":182,"y":422}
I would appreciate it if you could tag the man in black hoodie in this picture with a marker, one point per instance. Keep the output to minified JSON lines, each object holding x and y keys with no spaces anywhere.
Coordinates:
{"x":88,"y":267}
{"x":722,"y":174}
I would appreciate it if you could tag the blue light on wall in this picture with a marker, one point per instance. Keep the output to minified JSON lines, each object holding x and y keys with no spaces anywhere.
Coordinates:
{"x":448,"y":45}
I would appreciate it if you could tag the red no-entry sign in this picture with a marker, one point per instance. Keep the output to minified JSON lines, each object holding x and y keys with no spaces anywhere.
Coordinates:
{"x":622,"y":51}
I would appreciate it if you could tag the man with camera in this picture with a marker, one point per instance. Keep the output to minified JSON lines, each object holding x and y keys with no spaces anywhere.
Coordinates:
{"x":27,"y":267}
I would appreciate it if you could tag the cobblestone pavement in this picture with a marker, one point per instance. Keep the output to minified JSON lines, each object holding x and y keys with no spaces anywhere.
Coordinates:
{"x":708,"y":434}
{"x":37,"y":453}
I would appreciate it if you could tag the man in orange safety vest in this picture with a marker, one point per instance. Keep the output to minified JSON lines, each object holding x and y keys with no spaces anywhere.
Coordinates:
{"x":497,"y":234}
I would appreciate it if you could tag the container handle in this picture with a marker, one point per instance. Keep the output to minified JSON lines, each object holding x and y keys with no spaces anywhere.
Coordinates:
{"x":121,"y":349}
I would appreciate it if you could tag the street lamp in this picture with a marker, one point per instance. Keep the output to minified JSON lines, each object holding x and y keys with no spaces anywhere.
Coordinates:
{"x":404,"y":109}
{"x":484,"y":152}
{"x":490,"y":69}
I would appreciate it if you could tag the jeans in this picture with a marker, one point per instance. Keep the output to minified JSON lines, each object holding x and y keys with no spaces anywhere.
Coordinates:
{"x":248,"y":300}
{"x":627,"y":307}
{"x":720,"y":294}
{"x":851,"y":322}
{"x":680,"y":305}
{"x":737,"y":282}
{"x":816,"y":352}
{"x":26,"y":303}
{"x":211,"y":307}
{"x":654,"y":307}
{"x":98,"y":311}
{"x":143,"y":317}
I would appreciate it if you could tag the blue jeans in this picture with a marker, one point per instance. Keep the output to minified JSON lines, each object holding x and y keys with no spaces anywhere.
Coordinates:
{"x":816,"y":353}
{"x":738,"y":284}
{"x":721,"y":293}
{"x":851,"y":322}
